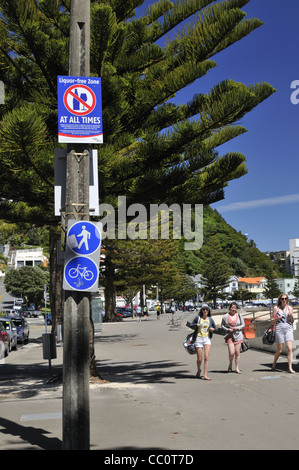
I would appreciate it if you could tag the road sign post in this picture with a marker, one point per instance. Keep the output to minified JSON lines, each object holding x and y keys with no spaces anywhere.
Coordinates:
{"x":77,"y":304}
{"x":82,"y":256}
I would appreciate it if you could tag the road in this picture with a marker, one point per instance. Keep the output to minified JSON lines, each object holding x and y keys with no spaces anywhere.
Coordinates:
{"x":37,"y":327}
{"x":151,"y":399}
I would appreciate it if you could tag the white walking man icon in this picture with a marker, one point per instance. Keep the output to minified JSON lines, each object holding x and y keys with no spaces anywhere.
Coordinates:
{"x":85,"y":237}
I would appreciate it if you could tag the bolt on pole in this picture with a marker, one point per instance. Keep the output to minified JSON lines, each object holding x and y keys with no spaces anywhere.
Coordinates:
{"x":76,"y":419}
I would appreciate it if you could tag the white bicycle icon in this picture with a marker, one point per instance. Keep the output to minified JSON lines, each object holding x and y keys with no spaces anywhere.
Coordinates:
{"x":81,"y":271}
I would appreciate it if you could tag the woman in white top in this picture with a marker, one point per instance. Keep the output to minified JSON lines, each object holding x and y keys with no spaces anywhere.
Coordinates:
{"x":283,"y":321}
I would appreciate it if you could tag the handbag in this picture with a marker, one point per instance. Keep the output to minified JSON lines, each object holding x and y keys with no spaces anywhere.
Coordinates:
{"x":245,"y":345}
{"x":269,"y":336}
{"x":189,"y":343}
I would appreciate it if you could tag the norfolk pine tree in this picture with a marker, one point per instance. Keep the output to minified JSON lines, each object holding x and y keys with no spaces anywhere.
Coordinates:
{"x":154,"y":150}
{"x":215,"y":271}
{"x":271,"y":290}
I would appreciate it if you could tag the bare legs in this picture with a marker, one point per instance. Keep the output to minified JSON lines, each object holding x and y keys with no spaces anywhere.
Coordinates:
{"x":234,"y":352}
{"x":199,"y":352}
{"x":278,"y":353}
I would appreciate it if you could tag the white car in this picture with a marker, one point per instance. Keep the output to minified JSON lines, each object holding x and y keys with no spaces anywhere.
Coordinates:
{"x":11,"y":329}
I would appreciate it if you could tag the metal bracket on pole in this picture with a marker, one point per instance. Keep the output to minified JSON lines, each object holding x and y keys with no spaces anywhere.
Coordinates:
{"x":80,"y":155}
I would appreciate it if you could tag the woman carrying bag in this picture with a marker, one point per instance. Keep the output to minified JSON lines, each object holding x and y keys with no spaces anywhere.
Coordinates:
{"x":283,"y":322}
{"x":205,"y":326}
{"x":233,"y":324}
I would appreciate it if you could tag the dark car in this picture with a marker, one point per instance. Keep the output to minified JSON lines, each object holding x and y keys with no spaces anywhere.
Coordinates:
{"x":11,"y":329}
{"x":29,"y":312}
{"x":4,"y":342}
{"x":48,"y":317}
{"x":22,"y":329}
{"x":124,"y":311}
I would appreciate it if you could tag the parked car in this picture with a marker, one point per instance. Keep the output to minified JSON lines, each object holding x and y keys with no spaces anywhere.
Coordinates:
{"x":22,"y":329}
{"x":18,"y":304}
{"x":48,"y":317}
{"x":11,"y":329}
{"x":4,"y":342}
{"x":10,"y":313}
{"x":29,"y":312}
{"x":124,"y":311}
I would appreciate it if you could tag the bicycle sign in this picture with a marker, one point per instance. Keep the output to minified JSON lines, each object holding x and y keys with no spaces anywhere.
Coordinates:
{"x":81,"y":273}
{"x":82,"y":256}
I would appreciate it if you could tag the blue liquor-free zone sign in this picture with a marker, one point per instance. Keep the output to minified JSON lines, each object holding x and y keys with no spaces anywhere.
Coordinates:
{"x":79,"y":110}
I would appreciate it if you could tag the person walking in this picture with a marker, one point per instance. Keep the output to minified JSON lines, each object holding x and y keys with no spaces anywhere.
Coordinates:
{"x":139,"y":312}
{"x":145,"y":311}
{"x":205,"y":326}
{"x":158,"y":310}
{"x":233,"y":323}
{"x":282,"y":320}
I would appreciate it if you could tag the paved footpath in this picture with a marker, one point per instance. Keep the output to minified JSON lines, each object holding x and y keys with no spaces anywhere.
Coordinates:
{"x":152,"y":399}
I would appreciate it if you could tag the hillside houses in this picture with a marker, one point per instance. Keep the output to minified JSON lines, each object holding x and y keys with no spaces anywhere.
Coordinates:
{"x":255,"y":285}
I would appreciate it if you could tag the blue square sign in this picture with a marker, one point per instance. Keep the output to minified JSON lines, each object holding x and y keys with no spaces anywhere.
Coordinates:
{"x":79,"y":110}
{"x":82,"y":256}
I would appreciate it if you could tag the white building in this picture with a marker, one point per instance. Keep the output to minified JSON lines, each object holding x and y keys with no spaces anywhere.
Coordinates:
{"x":28,"y":257}
{"x":230,"y":289}
{"x":294,"y":256}
{"x":286,"y":285}
{"x":233,"y":286}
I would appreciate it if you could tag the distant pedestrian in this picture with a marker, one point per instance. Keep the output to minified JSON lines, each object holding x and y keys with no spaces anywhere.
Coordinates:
{"x":139,"y":312}
{"x":283,"y":319}
{"x":145,"y":311}
{"x":158,"y":310}
{"x":233,"y":323}
{"x":205,"y":326}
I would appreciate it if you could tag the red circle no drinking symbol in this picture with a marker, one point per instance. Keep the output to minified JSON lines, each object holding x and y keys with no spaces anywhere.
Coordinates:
{"x":79,"y":100}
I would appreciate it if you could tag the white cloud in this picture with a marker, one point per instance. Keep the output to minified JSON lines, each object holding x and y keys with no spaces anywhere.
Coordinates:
{"x":271,"y":201}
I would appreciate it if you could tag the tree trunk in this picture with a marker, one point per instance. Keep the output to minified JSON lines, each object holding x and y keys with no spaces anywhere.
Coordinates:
{"x":110,"y":294}
{"x":56,"y":277}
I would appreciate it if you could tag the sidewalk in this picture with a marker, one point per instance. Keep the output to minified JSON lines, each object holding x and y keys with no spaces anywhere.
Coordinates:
{"x":151,"y":399}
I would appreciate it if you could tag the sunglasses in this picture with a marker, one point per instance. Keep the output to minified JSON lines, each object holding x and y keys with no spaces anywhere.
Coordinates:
{"x":284,"y":298}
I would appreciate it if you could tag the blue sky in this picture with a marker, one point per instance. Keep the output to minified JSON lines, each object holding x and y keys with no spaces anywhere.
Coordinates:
{"x":263,"y":204}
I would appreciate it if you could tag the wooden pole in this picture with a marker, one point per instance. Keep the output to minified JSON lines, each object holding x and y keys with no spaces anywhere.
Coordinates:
{"x":76,"y":419}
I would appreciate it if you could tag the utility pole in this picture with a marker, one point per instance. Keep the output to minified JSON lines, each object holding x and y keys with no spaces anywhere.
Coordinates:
{"x":76,"y":420}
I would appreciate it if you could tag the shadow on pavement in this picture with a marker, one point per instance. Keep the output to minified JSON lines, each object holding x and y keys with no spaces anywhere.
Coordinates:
{"x":32,"y":436}
{"x":143,"y":372}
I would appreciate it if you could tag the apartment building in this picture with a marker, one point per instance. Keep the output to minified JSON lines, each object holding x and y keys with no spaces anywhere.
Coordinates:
{"x":294,"y":256}
{"x":256,"y":285}
{"x":28,"y":257}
